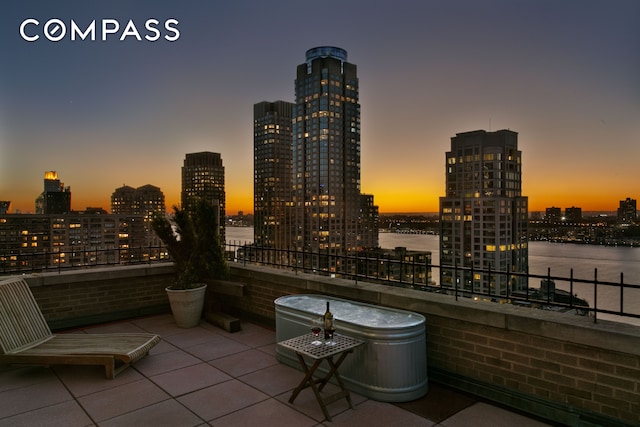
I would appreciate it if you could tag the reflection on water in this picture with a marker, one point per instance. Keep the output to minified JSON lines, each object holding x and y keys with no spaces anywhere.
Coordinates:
{"x":560,"y":258}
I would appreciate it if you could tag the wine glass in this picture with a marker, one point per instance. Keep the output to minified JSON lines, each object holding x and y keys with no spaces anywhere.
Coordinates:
{"x":316,"y":328}
{"x":330,"y":331}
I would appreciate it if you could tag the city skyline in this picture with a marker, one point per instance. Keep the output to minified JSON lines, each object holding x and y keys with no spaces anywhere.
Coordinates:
{"x":104,"y":114}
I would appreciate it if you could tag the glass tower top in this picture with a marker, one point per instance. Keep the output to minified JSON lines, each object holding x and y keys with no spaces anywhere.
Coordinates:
{"x":326,"y":52}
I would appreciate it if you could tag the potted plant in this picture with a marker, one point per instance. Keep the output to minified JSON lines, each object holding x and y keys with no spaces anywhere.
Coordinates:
{"x":193,"y":242}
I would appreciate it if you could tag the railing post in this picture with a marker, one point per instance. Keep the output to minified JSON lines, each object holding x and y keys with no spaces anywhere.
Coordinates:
{"x":455,"y":277}
{"x":595,"y":295}
{"x":571,"y":287}
{"x":621,"y":292}
{"x":549,"y":284}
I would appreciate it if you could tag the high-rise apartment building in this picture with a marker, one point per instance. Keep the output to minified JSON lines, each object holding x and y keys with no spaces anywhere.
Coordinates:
{"x":56,"y":198}
{"x":272,"y":168}
{"x":34,"y":241}
{"x":573,"y":214}
{"x":628,"y":211}
{"x":369,"y":221}
{"x":146,"y":201}
{"x":553,"y":214}
{"x":5,"y":205}
{"x":483,"y":217}
{"x":326,"y":154}
{"x":203,"y":179}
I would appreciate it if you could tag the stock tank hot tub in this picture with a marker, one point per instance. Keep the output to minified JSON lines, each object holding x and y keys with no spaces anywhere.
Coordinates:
{"x":390,"y":367}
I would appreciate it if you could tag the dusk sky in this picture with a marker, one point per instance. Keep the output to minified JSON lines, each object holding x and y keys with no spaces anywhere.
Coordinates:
{"x":565,"y":75}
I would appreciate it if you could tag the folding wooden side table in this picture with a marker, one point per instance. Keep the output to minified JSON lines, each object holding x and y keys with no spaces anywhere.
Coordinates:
{"x":302,"y":346}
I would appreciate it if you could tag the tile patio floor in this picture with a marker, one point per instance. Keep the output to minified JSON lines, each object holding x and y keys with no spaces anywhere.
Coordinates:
{"x":206,"y":376}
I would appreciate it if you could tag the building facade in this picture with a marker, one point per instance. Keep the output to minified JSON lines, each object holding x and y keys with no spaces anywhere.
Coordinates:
{"x":553,"y":215}
{"x":56,"y":198}
{"x":573,"y":214}
{"x":272,"y":168}
{"x":41,"y":241}
{"x":203,"y":179}
{"x":146,"y":201}
{"x":628,"y":211}
{"x":483,"y":217}
{"x":326,"y":155}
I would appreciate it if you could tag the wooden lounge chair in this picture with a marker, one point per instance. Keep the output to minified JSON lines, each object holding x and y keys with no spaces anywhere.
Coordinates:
{"x":25,"y":337}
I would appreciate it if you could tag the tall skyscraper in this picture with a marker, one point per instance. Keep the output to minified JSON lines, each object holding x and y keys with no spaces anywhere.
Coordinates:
{"x":272,"y":174}
{"x":203,"y":179}
{"x":483,"y":217}
{"x":56,"y":198}
{"x":326,"y":153}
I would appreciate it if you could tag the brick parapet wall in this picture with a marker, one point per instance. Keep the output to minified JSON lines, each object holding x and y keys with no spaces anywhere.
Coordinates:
{"x":84,"y":297}
{"x":563,"y":367}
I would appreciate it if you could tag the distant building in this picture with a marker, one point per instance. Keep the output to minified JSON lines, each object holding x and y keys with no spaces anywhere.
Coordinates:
{"x":203,"y":179}
{"x":272,"y":171}
{"x":56,"y":198}
{"x":553,"y":214}
{"x":483,"y":217}
{"x":147,"y":201}
{"x":573,"y":214}
{"x":628,"y":212}
{"x":35,"y":241}
{"x":5,"y":205}
{"x":369,"y":223}
{"x":397,"y":265}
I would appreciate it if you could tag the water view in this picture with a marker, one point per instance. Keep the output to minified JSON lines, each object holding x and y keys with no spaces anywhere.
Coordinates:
{"x":560,"y":258}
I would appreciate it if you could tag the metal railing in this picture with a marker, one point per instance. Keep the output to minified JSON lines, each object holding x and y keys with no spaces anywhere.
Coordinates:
{"x":604,"y":297}
{"x":580,"y":296}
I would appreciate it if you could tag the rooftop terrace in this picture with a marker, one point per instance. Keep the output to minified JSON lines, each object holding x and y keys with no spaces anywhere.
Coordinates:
{"x":481,"y":357}
{"x":207,"y":376}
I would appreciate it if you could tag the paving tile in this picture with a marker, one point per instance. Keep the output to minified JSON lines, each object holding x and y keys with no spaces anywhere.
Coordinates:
{"x":484,"y":415}
{"x":191,"y":337}
{"x":83,"y":380}
{"x":268,"y":413}
{"x":373,"y":414}
{"x":163,"y":346}
{"x":155,"y":364}
{"x":244,"y":362}
{"x":117,"y":327}
{"x":307,"y":403}
{"x":273,"y":380}
{"x":219,"y":348}
{"x":32,"y":397}
{"x":221,"y":399}
{"x":191,"y":378}
{"x":13,"y":377}
{"x":254,"y":336}
{"x":269,"y":349}
{"x":120,"y":400}
{"x":168,"y":413}
{"x":63,"y":414}
{"x":164,"y":329}
{"x":152,"y":323}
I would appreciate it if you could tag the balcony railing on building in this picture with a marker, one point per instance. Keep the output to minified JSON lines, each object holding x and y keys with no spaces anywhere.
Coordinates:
{"x":400,"y":268}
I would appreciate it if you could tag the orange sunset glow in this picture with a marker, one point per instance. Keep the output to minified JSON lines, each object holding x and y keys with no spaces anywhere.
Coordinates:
{"x":126,"y":112}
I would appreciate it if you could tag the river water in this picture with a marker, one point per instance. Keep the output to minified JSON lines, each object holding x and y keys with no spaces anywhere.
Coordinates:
{"x":560,"y":258}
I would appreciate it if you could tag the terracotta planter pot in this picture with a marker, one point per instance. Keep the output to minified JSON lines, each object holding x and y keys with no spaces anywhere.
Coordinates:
{"x":186,"y":305}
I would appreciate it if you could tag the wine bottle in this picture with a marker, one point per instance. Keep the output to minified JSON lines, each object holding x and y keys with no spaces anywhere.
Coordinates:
{"x":328,"y":322}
